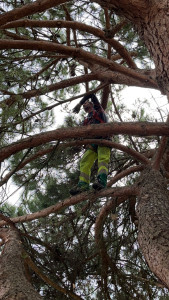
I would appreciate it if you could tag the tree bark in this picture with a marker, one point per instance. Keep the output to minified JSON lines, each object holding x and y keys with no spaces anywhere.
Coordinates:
{"x":155,"y":32}
{"x":13,"y":283}
{"x":151,"y":20}
{"x":78,"y":53}
{"x":153,"y":226}
{"x":94,"y":130}
{"x":113,"y":192}
{"x":29,"y":9}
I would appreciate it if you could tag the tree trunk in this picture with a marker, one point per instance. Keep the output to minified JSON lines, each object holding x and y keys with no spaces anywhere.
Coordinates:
{"x":151,"y":20}
{"x":153,"y":227}
{"x":13,"y":283}
{"x":155,"y":32}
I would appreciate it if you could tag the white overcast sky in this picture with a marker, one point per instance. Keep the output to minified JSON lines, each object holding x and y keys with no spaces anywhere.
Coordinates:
{"x":129,"y":96}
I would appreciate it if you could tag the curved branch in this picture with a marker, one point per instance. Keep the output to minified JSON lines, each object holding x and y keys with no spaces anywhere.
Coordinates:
{"x":108,"y":129}
{"x":128,"y":8}
{"x":49,"y":88}
{"x":77,"y":53}
{"x":138,"y":156}
{"x":63,"y":204}
{"x":29,"y":9}
{"x":121,"y":195}
{"x":48,"y":107}
{"x":76,"y":26}
{"x":125,"y":173}
{"x":46,"y":279}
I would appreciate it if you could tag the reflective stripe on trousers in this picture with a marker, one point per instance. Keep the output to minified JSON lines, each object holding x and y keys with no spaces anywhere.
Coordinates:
{"x":88,"y":159}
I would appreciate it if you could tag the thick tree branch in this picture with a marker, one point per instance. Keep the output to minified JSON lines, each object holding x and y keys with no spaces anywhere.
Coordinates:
{"x":75,"y":26}
{"x":74,"y":52}
{"x":100,"y":74}
{"x":146,"y":16}
{"x":29,"y":9}
{"x":103,"y":74}
{"x":119,"y":197}
{"x":105,"y":97}
{"x":50,"y":107}
{"x":108,"y":129}
{"x":49,"y":88}
{"x":125,"y":173}
{"x":46,"y":279}
{"x":156,"y":161}
{"x":136,"y":9}
{"x":69,"y":202}
{"x":136,"y":155}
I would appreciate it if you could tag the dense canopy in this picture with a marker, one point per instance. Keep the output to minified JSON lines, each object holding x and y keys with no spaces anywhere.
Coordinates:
{"x":97,"y":245}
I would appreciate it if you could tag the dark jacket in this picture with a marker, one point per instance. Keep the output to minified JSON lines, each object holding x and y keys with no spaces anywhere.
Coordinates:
{"x":97,"y":115}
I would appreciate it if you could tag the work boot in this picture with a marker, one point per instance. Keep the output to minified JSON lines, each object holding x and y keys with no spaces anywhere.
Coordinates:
{"x":101,"y":182}
{"x":81,"y":187}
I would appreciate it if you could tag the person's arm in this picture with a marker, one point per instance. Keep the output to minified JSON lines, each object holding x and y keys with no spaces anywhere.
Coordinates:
{"x":96,"y":103}
{"x":99,"y":109}
{"x":94,"y":99}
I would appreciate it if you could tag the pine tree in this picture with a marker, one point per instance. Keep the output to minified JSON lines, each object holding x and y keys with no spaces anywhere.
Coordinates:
{"x":84,"y":247}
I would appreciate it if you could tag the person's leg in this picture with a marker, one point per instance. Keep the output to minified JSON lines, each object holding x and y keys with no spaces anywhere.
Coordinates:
{"x":103,"y":161}
{"x":86,"y":164}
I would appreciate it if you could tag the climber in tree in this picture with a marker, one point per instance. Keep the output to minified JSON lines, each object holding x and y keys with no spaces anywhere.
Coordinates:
{"x":96,"y":115}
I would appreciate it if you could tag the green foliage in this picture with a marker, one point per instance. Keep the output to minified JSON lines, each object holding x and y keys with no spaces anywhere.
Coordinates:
{"x":63,"y":245}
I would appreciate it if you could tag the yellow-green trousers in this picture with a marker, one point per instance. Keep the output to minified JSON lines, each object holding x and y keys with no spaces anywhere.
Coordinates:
{"x":88,"y":159}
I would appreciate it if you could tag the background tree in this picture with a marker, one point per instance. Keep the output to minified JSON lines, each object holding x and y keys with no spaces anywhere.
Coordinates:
{"x":83,"y":247}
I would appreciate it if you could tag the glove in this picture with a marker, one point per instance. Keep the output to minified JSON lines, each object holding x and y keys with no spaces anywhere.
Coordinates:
{"x":76,"y":109}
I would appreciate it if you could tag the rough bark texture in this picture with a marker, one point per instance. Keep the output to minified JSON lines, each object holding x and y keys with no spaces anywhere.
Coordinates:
{"x":151,"y":20}
{"x":153,"y":217}
{"x":13,"y":283}
{"x":155,"y":32}
{"x":108,"y":129}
